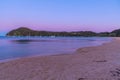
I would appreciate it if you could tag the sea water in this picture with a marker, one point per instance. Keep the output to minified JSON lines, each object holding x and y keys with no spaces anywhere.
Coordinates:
{"x":17,"y":47}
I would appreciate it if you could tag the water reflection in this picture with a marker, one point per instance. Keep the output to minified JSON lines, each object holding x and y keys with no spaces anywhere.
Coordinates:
{"x":24,"y":41}
{"x":23,"y":47}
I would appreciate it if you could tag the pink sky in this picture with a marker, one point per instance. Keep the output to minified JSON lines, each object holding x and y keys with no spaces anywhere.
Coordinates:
{"x":60,"y":15}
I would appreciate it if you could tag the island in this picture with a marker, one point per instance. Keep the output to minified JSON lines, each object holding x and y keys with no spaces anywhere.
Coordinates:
{"x":24,"y":31}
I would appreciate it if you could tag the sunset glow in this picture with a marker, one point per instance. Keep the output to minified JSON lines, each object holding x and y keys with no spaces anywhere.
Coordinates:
{"x":60,"y":15}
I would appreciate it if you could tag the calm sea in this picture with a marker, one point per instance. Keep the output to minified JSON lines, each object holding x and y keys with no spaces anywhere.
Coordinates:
{"x":17,"y":47}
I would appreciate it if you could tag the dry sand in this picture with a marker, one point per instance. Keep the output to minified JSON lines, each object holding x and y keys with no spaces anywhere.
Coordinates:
{"x":91,"y":63}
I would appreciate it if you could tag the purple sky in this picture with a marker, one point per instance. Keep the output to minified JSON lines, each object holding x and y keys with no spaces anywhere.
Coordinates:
{"x":60,"y":15}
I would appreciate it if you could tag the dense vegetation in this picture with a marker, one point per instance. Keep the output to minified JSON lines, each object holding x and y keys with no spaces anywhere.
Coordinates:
{"x":23,"y":31}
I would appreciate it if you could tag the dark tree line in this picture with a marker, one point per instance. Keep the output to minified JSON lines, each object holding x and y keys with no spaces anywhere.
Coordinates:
{"x":23,"y":31}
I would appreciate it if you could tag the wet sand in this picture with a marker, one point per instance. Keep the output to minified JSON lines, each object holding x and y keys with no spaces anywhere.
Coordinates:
{"x":90,"y":63}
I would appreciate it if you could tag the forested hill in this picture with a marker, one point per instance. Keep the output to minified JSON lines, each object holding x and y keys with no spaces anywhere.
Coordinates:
{"x":23,"y":31}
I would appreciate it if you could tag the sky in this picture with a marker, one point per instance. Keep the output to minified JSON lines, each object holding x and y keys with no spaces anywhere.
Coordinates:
{"x":60,"y":15}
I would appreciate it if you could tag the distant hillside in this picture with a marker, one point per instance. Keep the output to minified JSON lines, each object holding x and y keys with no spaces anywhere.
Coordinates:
{"x":23,"y":31}
{"x":116,"y":32}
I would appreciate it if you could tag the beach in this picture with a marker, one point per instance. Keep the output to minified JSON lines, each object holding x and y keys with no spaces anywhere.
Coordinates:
{"x":89,"y":63}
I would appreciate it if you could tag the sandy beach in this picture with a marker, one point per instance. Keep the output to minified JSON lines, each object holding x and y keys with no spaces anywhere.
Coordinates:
{"x":90,"y":63}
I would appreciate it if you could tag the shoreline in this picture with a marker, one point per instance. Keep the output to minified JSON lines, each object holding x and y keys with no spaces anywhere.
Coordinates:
{"x":74,"y":52}
{"x":89,"y":63}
